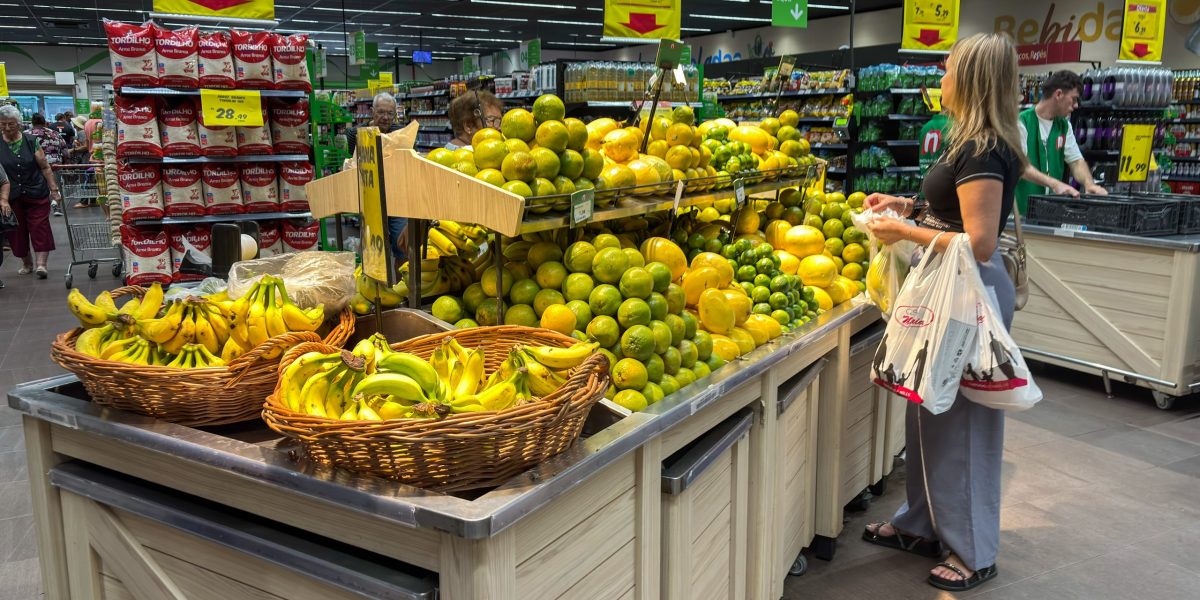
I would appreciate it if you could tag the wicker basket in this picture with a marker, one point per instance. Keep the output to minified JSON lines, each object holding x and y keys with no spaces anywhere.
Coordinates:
{"x":211,"y":396}
{"x":463,"y":451}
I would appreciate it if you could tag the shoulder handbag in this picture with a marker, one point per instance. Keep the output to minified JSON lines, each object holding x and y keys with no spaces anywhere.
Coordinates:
{"x":1012,"y":252}
{"x":8,"y":222}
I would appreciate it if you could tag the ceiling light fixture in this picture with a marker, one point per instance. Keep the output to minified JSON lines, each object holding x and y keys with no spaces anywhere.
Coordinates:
{"x":440,"y":28}
{"x":829,"y":6}
{"x":699,"y":29}
{"x":510,"y":20}
{"x":362,"y":12}
{"x":581,"y":23}
{"x":729,"y":18}
{"x":548,"y":43}
{"x":526,"y":4}
{"x":471,"y":39}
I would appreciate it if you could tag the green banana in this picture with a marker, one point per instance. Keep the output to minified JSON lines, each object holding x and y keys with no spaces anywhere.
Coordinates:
{"x":413,"y":366}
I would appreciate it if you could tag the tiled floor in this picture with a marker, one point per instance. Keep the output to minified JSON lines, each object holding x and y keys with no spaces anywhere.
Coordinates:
{"x":1101,"y":496}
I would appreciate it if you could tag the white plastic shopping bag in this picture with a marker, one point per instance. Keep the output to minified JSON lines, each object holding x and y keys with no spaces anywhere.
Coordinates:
{"x":932,"y":330}
{"x":889,"y":264}
{"x":996,"y":375}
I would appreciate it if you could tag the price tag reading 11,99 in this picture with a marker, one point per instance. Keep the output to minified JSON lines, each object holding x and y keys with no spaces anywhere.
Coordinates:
{"x":739,"y":192}
{"x":240,"y":108}
{"x":1137,"y":141}
{"x":583,"y":204}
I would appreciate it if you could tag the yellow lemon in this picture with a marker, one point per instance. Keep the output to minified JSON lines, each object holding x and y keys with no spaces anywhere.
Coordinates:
{"x":817,"y":270}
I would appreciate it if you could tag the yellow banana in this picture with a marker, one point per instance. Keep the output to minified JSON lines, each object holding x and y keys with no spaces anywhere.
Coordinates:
{"x":360,"y":305}
{"x":218,"y":322}
{"x":88,"y":342}
{"x":299,"y":372}
{"x":186,"y":333}
{"x":209,"y":358}
{"x":181,"y":360}
{"x":204,"y":330}
{"x":497,"y":397}
{"x":231,"y":350}
{"x":130,"y":307}
{"x":441,"y":242}
{"x":298,"y":319}
{"x":351,"y":413}
{"x":105,"y":302}
{"x":275,"y":324}
{"x":131,"y":352}
{"x":472,"y":374}
{"x":162,"y":329}
{"x":390,"y":384}
{"x":366,"y":413}
{"x":542,"y":381}
{"x":256,"y":323}
{"x":151,"y":303}
{"x":343,"y":381}
{"x":312,"y":396}
{"x":117,"y":346}
{"x":89,"y":314}
{"x":562,"y":358}
{"x":413,"y":366}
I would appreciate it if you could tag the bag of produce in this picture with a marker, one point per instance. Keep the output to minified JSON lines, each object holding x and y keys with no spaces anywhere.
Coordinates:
{"x":311,"y":278}
{"x":889,"y":263}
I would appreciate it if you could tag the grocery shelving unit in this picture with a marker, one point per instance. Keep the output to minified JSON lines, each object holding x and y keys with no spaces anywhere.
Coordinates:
{"x":904,"y":151}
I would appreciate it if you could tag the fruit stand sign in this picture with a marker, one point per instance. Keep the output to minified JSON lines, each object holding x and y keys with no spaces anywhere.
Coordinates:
{"x":1142,"y":31}
{"x":739,"y":191}
{"x":669,"y":53}
{"x":4,"y":81}
{"x":238,"y":108}
{"x":583,"y":204}
{"x":789,"y":13}
{"x":1136,"y":143}
{"x":929,"y":25}
{"x":376,"y":258}
{"x":642,"y":19}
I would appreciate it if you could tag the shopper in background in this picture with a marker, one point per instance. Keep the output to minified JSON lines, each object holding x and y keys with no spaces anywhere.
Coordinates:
{"x":471,"y":112}
{"x":79,"y":149}
{"x":1054,"y":149}
{"x":53,"y":146}
{"x":93,"y":133}
{"x":33,"y":187}
{"x":62,"y":124}
{"x":954,"y":458}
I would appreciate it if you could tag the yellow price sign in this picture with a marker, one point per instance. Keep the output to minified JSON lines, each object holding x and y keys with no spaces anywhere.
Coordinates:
{"x":930,"y":24}
{"x":1142,"y":31}
{"x":3,"y":80}
{"x":238,"y":108}
{"x":932,"y":98}
{"x":377,"y":259}
{"x":932,"y":12}
{"x":1137,"y":142}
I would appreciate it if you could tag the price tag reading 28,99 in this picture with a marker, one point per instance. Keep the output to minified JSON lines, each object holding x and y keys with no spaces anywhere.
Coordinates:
{"x":739,"y":192}
{"x":583,"y":205}
{"x":239,"y":108}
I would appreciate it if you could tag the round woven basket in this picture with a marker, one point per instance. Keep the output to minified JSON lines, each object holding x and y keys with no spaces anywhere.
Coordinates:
{"x":193,"y":397}
{"x":463,"y":451}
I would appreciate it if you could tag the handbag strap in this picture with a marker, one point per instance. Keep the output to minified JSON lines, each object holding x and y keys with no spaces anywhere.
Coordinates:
{"x":1017,"y":227}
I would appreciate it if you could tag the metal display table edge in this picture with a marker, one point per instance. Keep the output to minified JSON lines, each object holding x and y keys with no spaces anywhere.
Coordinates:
{"x":481,"y":518}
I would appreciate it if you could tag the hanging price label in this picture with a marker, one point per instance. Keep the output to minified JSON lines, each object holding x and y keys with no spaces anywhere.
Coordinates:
{"x":739,"y":192}
{"x":583,"y":205}
{"x":1137,"y":141}
{"x":678,"y":196}
{"x":238,"y":108}
{"x":1142,"y":31}
{"x":932,"y":12}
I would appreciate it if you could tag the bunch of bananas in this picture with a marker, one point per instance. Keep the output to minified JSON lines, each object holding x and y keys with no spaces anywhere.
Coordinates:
{"x":369,"y":291}
{"x":192,"y":332}
{"x":372,"y":382}
{"x":449,"y":238}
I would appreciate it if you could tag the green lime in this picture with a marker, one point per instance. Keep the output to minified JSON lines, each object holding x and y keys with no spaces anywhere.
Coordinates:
{"x":609,"y":264}
{"x":701,"y":370}
{"x":714,"y":361}
{"x":746,"y":273}
{"x":466,"y":324}
{"x":523,"y":291}
{"x":473,"y":296}
{"x":676,"y":299}
{"x":662,"y":336}
{"x":655,"y":368}
{"x":678,"y":327}
{"x":762,"y":308}
{"x":521,"y":314}
{"x":779,"y":300}
{"x":669,"y":384}
{"x":545,"y":299}
{"x":780,"y":283}
{"x":672,"y":360}
{"x":550,"y":275}
{"x":604,"y":329}
{"x":704,"y":345}
{"x":760,"y":293}
{"x":658,"y":306}
{"x":637,"y":282}
{"x":652,"y":392}
{"x":583,"y":313}
{"x":685,"y":377}
{"x":448,"y":309}
{"x":688,"y":353}
{"x":781,"y":316}
{"x":661,"y":274}
{"x":638,"y":342}
{"x":578,"y":286}
{"x":762,"y":279}
{"x":691,"y":325}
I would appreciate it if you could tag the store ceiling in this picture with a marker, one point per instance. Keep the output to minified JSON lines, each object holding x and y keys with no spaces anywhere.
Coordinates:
{"x":450,"y":28}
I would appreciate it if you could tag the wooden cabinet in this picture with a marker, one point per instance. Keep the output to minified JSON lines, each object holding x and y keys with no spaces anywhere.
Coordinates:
{"x":796,"y":478}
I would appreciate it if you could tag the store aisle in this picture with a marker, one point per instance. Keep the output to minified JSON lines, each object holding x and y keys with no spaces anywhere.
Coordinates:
{"x":1099,"y":502}
{"x":1100,"y":495}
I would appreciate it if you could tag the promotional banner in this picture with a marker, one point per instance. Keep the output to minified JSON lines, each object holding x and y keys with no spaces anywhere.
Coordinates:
{"x":648,"y":19}
{"x":241,"y":9}
{"x":531,"y":53}
{"x":789,"y":13}
{"x":929,"y":25}
{"x":1142,"y":31}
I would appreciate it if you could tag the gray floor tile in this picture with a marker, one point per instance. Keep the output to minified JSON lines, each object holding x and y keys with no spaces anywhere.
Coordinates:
{"x":20,"y":580}
{"x":1141,"y":444}
{"x":12,"y":438}
{"x":1189,"y":466}
{"x":13,"y":467}
{"x":1118,"y":574}
{"x":1083,"y":461}
{"x":1019,"y":434}
{"x":15,"y":500}
{"x":1186,"y":428}
{"x":8,"y":416}
{"x":12,"y":530}
{"x":1180,"y":547}
{"x":1023,"y":480}
{"x":1063,"y":419}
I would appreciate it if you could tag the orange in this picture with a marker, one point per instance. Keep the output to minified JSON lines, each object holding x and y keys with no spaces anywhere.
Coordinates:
{"x":486,"y":133}
{"x":606,"y":240}
{"x":646,"y":175}
{"x":609,"y":264}
{"x":755,"y":137}
{"x":725,"y":347}
{"x":593,"y":163}
{"x":551,"y":275}
{"x":441,"y":156}
{"x":553,"y":135}
{"x":636,"y":282}
{"x":577,"y":134}
{"x":570,"y":164}
{"x":616,"y":176}
{"x":521,"y":314}
{"x":803,"y":240}
{"x":638,"y":342}
{"x":817,"y":270}
{"x":629,"y":374}
{"x":661,"y":274}
{"x":747,"y":222}
{"x":657,"y":148}
{"x":559,"y":318}
{"x":578,"y":257}
{"x":518,"y":123}
{"x":631,"y":399}
{"x":466,"y":167}
{"x":604,"y":329}
{"x":683,"y":114}
{"x":658,"y":129}
{"x":598,"y":129}
{"x":488,"y":281}
{"x":679,"y":157}
{"x":519,"y":166}
{"x":578,"y":286}
{"x":545,"y":299}
{"x":490,"y":153}
{"x":563,"y":185}
{"x":789,"y":117}
{"x":490,"y":176}
{"x":854,"y":253}
{"x":516,"y":145}
{"x":680,"y":134}
{"x":547,"y":163}
{"x":548,"y":107}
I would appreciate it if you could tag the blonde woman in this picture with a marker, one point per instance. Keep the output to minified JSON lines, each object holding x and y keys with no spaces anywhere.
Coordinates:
{"x":954,"y":459}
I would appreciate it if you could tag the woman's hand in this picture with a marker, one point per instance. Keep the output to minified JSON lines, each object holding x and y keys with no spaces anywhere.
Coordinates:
{"x":889,"y":230}
{"x":55,"y":195}
{"x":5,"y":207}
{"x":880,"y":202}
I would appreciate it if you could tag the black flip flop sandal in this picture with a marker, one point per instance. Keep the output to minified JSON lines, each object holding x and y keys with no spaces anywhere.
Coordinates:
{"x":899,"y":541}
{"x":978,"y":578}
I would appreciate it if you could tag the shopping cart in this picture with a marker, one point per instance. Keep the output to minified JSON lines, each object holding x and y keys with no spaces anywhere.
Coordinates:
{"x":91,"y":242}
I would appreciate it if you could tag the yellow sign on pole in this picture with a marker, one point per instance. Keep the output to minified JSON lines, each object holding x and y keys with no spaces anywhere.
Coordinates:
{"x":240,"y":108}
{"x":242,"y":9}
{"x":1142,"y":31}
{"x":377,"y":259}
{"x":647,"y":19}
{"x":3,"y":80}
{"x":930,"y":24}
{"x":1137,"y":141}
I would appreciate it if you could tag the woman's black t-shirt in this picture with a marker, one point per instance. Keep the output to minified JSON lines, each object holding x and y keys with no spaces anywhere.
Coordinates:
{"x":941,"y":183}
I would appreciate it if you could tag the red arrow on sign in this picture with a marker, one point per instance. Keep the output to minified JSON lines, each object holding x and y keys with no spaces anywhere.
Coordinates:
{"x":643,"y":22}
{"x":929,"y":37}
{"x":1140,"y":50}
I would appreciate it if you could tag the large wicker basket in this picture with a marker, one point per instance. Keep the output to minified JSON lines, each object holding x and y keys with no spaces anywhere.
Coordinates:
{"x":463,"y":451}
{"x":211,"y":396}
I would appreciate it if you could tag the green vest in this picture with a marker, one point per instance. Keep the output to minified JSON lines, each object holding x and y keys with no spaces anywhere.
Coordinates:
{"x":1046,"y":157}
{"x":934,"y":138}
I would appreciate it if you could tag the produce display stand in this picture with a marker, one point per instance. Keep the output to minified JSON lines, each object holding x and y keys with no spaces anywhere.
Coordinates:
{"x":1118,"y":306}
{"x":127,"y":506}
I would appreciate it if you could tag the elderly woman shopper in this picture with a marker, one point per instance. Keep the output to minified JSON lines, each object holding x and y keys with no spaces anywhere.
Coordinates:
{"x":33,"y":188}
{"x":954,"y":458}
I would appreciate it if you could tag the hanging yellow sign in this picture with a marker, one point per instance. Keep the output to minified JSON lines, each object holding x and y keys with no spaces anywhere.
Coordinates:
{"x":648,"y":19}
{"x":1142,"y":30}
{"x":376,"y":255}
{"x":930,"y":24}
{"x":3,"y":80}
{"x":236,"y":108}
{"x":242,"y":9}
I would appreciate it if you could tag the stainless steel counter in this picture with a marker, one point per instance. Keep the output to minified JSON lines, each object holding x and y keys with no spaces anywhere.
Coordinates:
{"x":1178,"y":243}
{"x":262,"y":455}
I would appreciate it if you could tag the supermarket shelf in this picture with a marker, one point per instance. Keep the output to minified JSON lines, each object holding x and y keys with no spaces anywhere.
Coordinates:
{"x":428,"y":113}
{"x":163,"y":91}
{"x":898,"y":143}
{"x":817,"y":119}
{"x":1185,"y":158}
{"x":634,"y":206}
{"x":835,"y":171}
{"x":828,"y":146}
{"x":1145,"y":109}
{"x":184,"y":160}
{"x":431,"y":129}
{"x":1189,"y":140}
{"x":1186,"y":121}
{"x":902,"y":169}
{"x":427,"y":94}
{"x":520,"y":96}
{"x":428,"y":146}
{"x":240,"y":217}
{"x":622,"y":104}
{"x":788,"y":94}
{"x":896,"y":117}
{"x":1180,"y":178}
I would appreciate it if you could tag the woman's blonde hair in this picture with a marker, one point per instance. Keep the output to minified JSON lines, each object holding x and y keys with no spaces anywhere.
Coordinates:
{"x":986,"y":87}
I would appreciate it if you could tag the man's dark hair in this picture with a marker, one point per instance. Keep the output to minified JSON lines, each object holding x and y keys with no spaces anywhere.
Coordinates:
{"x":38,"y":120}
{"x":58,"y":117}
{"x":1062,"y":80}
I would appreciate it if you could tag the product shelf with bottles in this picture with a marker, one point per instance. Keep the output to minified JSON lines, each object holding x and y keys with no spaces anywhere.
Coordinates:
{"x":591,"y":81}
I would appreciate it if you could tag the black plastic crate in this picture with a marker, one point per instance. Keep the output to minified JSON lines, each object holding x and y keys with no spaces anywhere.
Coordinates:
{"x":1189,"y":209}
{"x":1108,"y":214}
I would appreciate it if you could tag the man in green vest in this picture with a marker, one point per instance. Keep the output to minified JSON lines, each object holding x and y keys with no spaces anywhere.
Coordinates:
{"x":1049,"y":140}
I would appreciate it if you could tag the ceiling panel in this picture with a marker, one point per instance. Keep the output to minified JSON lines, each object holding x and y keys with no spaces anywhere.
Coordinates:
{"x":448,"y":27}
